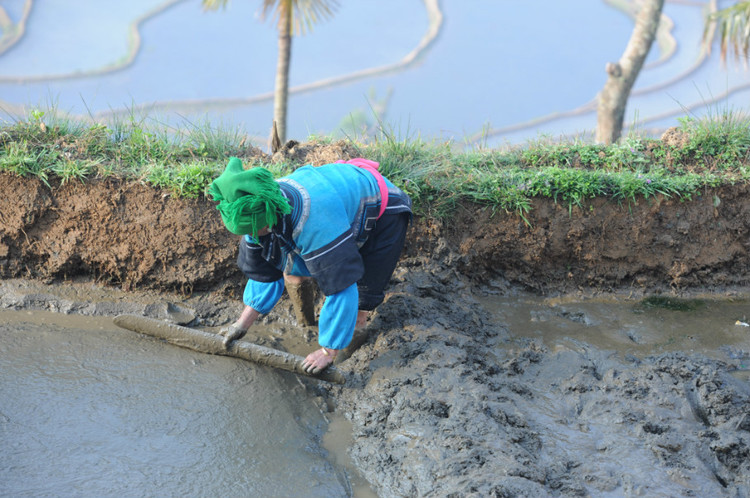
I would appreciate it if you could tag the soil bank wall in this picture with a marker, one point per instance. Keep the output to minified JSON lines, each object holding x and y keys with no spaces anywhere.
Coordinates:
{"x":134,"y":236}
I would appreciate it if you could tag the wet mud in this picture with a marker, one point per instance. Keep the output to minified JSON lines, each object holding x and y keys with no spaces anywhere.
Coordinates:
{"x":444,"y":396}
{"x":448,"y":401}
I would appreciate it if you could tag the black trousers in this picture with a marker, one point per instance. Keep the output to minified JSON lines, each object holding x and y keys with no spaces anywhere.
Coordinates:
{"x":380,"y":255}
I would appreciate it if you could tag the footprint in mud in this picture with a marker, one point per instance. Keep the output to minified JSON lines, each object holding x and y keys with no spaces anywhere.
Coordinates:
{"x":634,"y":336}
{"x":170,"y":312}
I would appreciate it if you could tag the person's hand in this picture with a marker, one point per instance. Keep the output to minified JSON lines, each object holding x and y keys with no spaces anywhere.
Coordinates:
{"x":318,"y":360}
{"x":232,"y":333}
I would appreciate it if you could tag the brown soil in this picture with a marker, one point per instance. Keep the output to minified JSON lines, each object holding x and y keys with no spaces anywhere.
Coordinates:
{"x":130,"y":235}
{"x":443,"y":400}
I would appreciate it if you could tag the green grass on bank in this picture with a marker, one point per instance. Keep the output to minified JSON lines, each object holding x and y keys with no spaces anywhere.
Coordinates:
{"x":702,"y":153}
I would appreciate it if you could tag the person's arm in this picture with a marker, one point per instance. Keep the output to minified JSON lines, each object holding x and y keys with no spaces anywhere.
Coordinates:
{"x":337,"y":318}
{"x":335,"y":328}
{"x":247,"y":318}
{"x":259,"y":299}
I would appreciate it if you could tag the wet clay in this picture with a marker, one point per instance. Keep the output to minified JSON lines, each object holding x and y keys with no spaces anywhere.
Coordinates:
{"x":453,"y":403}
{"x":445,"y":399}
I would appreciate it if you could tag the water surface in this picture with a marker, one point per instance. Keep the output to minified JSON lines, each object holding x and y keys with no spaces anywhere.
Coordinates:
{"x":500,"y":71}
{"x":714,"y":326}
{"x":91,"y":410}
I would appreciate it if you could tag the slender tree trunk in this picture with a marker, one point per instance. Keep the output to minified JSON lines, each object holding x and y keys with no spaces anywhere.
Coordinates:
{"x":622,"y":74}
{"x":281,"y":92}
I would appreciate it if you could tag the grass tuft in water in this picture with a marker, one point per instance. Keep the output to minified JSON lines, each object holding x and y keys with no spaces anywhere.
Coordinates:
{"x":671,"y":303}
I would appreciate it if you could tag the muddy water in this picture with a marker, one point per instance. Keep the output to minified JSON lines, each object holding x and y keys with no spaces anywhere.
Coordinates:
{"x":716,"y":328}
{"x":87,"y":409}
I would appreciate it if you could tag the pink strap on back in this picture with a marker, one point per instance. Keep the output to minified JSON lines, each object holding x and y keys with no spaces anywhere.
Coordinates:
{"x":372,"y":167}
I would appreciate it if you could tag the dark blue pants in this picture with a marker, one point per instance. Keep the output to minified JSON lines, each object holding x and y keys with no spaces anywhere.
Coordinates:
{"x":380,"y":255}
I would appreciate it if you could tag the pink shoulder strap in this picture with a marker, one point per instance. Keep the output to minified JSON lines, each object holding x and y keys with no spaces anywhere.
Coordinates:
{"x":372,"y":167}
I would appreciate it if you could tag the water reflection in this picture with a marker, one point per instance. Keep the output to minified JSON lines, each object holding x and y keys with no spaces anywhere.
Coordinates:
{"x":491,"y":72}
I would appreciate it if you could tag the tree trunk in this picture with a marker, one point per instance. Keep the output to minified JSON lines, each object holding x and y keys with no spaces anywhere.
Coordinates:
{"x":281,"y":91}
{"x":622,"y":74}
{"x":206,"y":342}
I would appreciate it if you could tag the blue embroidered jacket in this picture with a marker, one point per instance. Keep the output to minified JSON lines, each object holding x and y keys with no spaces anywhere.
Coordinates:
{"x":334,"y":209}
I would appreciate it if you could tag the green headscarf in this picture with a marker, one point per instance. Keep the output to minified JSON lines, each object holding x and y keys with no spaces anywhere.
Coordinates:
{"x":249,"y":200}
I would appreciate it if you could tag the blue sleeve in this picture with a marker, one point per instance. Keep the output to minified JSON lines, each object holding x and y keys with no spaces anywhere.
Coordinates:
{"x":338,"y":318}
{"x":250,"y":261}
{"x":263,"y":296}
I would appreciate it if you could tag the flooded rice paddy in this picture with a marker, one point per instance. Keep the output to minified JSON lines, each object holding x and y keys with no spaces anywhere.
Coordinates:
{"x":92,"y":410}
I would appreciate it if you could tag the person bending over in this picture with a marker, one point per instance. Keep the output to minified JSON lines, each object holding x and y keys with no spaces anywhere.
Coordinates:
{"x":342,"y":224}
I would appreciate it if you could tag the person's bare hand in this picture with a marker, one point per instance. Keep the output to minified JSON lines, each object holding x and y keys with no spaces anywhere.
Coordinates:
{"x":319,"y":360}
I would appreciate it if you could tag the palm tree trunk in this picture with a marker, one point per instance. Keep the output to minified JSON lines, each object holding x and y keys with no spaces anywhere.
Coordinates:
{"x":622,"y":74}
{"x":281,"y":91}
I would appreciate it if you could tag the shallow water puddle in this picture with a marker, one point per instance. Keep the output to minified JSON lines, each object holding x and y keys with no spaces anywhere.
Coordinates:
{"x":717,"y":328}
{"x":91,"y":410}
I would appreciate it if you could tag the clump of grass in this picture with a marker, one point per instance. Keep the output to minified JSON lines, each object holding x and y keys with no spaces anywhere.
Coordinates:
{"x":204,"y":141}
{"x":670,"y":303}
{"x":74,"y":169}
{"x":721,"y":141}
{"x":188,"y":180}
{"x":437,"y":176}
{"x":24,"y":160}
{"x":628,"y":154}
